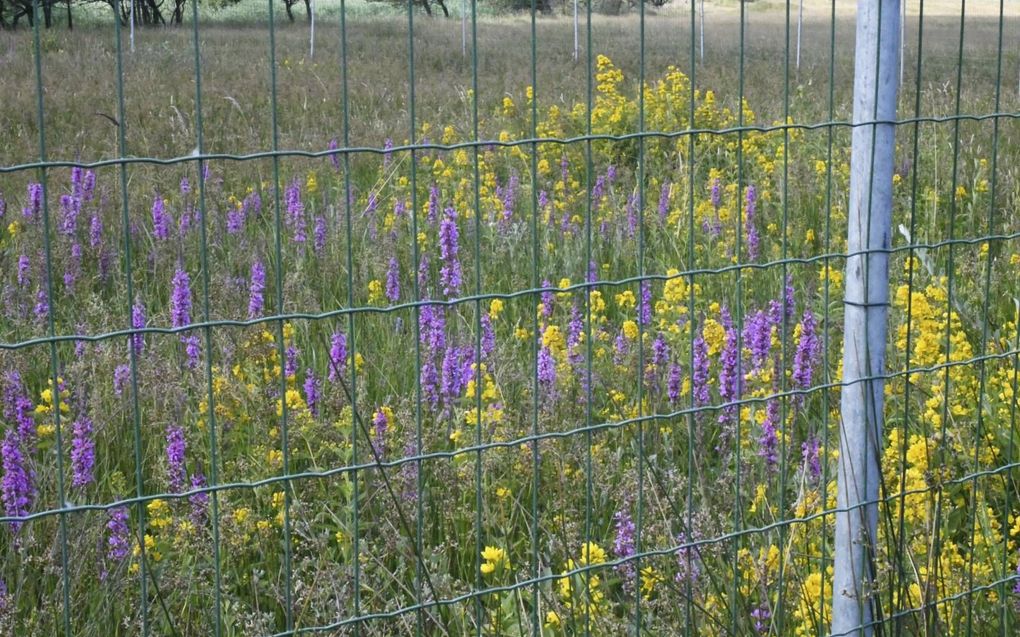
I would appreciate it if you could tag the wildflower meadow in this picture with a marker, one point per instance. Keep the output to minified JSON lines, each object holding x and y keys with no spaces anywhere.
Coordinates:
{"x":523,"y":386}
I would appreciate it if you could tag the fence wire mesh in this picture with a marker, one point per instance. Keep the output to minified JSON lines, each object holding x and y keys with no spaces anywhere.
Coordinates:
{"x":464,"y":328}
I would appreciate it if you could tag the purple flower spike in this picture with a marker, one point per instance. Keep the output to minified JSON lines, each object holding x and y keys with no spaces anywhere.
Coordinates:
{"x":256,"y":290}
{"x":175,"y":448}
{"x":393,"y":281}
{"x":180,"y":299}
{"x":16,"y":490}
{"x":83,"y":452}
{"x":337,"y":356}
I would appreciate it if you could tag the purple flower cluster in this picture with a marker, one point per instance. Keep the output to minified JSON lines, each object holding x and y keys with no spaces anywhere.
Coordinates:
{"x":160,"y":219}
{"x":256,"y":290}
{"x":118,"y":543}
{"x":295,"y":212}
{"x":16,"y":486}
{"x":180,"y":299}
{"x":450,"y":276}
{"x":761,"y":617}
{"x":138,"y":322}
{"x":624,"y":544}
{"x":83,"y":452}
{"x":18,"y":408}
{"x":337,"y":356}
{"x":808,"y":350}
{"x":700,"y":373}
{"x":729,"y":371}
{"x":313,"y":392}
{"x":393,"y":281}
{"x":810,"y":451}
{"x":175,"y":448}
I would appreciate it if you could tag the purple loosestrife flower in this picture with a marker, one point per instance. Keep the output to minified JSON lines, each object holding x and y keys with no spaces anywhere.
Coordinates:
{"x":624,"y":545}
{"x":199,"y":501}
{"x":753,"y":240}
{"x":450,"y":276}
{"x":16,"y":490}
{"x":42,"y":305}
{"x":664,"y":201}
{"x":788,"y":298}
{"x":70,"y":208}
{"x":18,"y":408}
{"x":24,"y":265}
{"x":88,"y":185}
{"x":645,"y":306}
{"x":121,"y":375}
{"x":312,"y":392}
{"x":175,"y":448}
{"x":83,"y":452}
{"x":423,"y":274}
{"x":768,"y":443}
{"x":611,"y":173}
{"x":453,"y":380}
{"x":235,"y":220}
{"x":180,"y":299}
{"x":334,"y":158}
{"x":660,"y":351}
{"x":761,"y":617}
{"x":716,"y":193}
{"x":758,"y":337}
{"x":621,"y":348}
{"x":808,"y":348}
{"x":699,"y":375}
{"x":509,"y":197}
{"x":393,"y":281}
{"x":161,"y":219}
{"x":488,"y":337}
{"x":290,"y":361}
{"x":674,"y":384}
{"x":432,"y":328}
{"x":546,"y":367}
{"x":387,"y":156}
{"x":95,"y":231}
{"x":319,"y":234}
{"x":729,"y":376}
{"x":256,"y":290}
{"x":252,"y":204}
{"x":185,"y":186}
{"x":295,"y":211}
{"x":337,"y":356}
{"x":34,"y":207}
{"x":72,"y":269}
{"x":138,"y":322}
{"x":430,"y":382}
{"x":1016,"y":588}
{"x":810,"y":451}
{"x":3,"y":206}
{"x":598,"y":191}
{"x":687,"y":562}
{"x":548,"y":299}
{"x":564,"y":168}
{"x":118,"y":543}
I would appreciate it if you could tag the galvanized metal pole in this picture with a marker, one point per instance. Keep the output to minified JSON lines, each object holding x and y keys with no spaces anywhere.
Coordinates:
{"x":866,"y":302}
{"x":575,"y":32}
{"x":311,"y":29}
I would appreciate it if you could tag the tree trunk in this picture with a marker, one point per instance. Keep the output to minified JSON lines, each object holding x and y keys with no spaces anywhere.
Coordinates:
{"x":428,"y":9}
{"x":289,"y":4}
{"x":70,"y":20}
{"x":442,"y":5}
{"x":48,"y":12}
{"x":308,"y":10}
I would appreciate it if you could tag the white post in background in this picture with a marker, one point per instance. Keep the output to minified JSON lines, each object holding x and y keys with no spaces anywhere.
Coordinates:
{"x":463,"y":28}
{"x":132,"y":26}
{"x":800,"y":26}
{"x":702,"y":30}
{"x":903,"y":38}
{"x":575,"y":31}
{"x":311,"y":28}
{"x":866,"y":299}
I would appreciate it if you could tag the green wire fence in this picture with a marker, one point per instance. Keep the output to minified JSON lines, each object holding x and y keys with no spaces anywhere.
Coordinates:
{"x":515,"y":340}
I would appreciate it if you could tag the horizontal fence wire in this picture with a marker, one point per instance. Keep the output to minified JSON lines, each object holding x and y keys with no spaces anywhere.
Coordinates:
{"x":566,"y":364}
